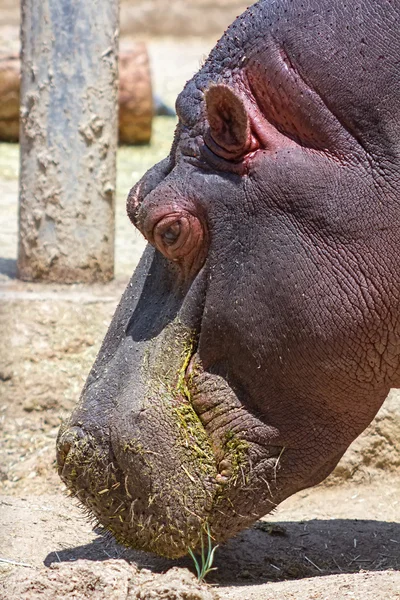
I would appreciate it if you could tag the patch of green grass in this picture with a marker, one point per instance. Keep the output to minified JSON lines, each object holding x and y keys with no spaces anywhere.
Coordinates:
{"x":203,"y":565}
{"x":181,"y":385}
{"x":190,"y":425}
{"x":236,"y":451}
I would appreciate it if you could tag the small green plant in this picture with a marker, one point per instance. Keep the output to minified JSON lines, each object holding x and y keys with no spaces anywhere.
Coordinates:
{"x":203,"y":565}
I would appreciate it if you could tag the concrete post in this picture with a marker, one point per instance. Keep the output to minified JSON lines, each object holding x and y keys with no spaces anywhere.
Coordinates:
{"x":68,"y":137}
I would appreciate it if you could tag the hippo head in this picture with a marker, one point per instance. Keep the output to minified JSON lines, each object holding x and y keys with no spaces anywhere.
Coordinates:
{"x":260,"y":332}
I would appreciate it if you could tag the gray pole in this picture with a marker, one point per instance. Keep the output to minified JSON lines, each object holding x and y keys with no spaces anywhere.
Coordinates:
{"x":68,"y":140}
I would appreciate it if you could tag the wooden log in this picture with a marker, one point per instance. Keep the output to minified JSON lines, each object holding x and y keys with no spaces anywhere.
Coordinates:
{"x":9,"y":97}
{"x":135,"y":96}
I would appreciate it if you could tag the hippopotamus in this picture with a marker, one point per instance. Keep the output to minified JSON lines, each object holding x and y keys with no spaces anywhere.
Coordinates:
{"x":260,"y":332}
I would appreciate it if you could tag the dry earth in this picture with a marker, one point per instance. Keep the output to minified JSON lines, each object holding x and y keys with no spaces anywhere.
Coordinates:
{"x":337,"y":542}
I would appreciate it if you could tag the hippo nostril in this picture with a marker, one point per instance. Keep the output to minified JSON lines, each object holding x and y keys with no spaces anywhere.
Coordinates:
{"x":65,"y":442}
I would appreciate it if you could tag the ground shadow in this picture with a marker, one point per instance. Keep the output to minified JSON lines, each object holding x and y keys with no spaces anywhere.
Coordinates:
{"x":8,"y":267}
{"x":275,"y":551}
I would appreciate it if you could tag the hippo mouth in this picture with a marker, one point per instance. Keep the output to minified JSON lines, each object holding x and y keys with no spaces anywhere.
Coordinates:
{"x":158,"y":492}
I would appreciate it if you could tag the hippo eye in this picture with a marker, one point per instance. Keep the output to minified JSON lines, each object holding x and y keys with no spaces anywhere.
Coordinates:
{"x":171,"y":235}
{"x":177,"y":235}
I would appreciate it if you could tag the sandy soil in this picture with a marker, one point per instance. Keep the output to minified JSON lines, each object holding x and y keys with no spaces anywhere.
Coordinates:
{"x":336,"y":542}
{"x":326,"y":543}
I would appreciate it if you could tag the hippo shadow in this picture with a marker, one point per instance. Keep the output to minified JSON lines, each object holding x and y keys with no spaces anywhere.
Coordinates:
{"x":273,"y":551}
{"x":8,"y":267}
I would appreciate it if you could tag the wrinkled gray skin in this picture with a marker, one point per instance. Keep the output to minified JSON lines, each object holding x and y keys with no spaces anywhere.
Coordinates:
{"x":260,"y":332}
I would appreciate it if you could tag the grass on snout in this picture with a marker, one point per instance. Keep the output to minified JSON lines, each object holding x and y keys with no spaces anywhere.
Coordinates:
{"x":203,"y":565}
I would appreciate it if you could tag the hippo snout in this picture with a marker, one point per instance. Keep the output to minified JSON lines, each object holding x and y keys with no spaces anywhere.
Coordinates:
{"x":150,"y":476}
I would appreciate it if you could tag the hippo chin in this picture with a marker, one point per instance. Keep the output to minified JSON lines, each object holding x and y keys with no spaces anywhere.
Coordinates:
{"x":260,"y":332}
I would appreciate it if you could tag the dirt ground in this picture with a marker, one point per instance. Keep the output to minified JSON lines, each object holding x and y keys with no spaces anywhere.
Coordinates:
{"x":335,"y":542}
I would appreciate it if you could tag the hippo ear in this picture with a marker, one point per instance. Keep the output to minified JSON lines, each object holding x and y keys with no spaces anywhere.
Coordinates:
{"x":228,"y":121}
